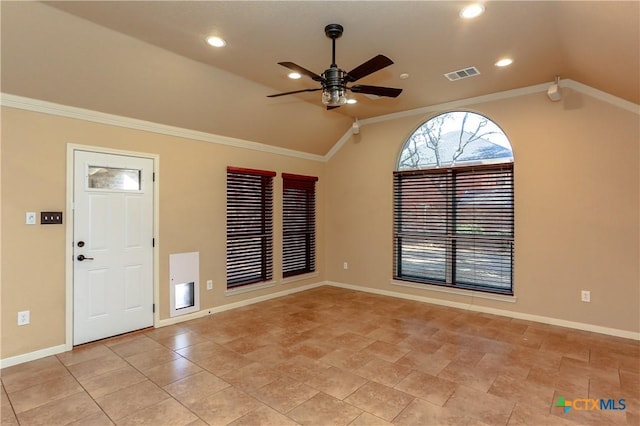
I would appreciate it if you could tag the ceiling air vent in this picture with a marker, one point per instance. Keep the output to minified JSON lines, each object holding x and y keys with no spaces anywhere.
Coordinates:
{"x":463,"y":73}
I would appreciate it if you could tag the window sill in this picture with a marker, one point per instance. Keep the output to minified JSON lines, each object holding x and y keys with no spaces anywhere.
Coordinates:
{"x":300,"y":277}
{"x":461,"y":292}
{"x":249,"y":288}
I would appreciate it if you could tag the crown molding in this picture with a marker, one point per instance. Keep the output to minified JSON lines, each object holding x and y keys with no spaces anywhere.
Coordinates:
{"x":36,"y":105}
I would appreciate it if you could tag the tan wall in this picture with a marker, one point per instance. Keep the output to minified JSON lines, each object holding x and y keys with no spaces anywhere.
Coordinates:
{"x":192,"y":215}
{"x":576,"y":212}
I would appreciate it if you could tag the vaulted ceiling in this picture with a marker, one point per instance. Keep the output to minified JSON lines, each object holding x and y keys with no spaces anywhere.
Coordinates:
{"x":149,"y":60}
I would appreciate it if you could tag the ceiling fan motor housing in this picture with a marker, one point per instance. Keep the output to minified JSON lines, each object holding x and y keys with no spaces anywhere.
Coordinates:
{"x":334,"y":77}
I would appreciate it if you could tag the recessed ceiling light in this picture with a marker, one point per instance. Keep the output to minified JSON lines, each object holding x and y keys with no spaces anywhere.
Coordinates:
{"x":294,"y":75}
{"x":352,"y":101}
{"x":404,"y":76}
{"x":471,"y":11}
{"x":216,"y":41}
{"x":504,"y":62}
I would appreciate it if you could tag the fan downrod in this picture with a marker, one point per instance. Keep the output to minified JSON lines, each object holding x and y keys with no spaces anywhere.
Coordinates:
{"x":333,"y":31}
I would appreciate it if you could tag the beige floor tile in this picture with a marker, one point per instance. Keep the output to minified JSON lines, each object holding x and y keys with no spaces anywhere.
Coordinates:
{"x":263,"y":416}
{"x":284,"y":394}
{"x":368,"y":419}
{"x":347,"y":359}
{"x":252,"y":376}
{"x":385,"y":351}
{"x":380,"y":400}
{"x":287,"y":353}
{"x":421,"y":412}
{"x":351,"y":341}
{"x":97,"y":419}
{"x":26,"y":375}
{"x":84,"y":353}
{"x":61,"y":411}
{"x":384,"y":372}
{"x":127,"y":401}
{"x":536,"y":395}
{"x":388,"y":335}
{"x":430,"y":363}
{"x":172,"y":371}
{"x":524,"y":415}
{"x":244,"y":345}
{"x":200,"y":351}
{"x":336,"y":382}
{"x":300,"y":368}
{"x":43,"y":393}
{"x":461,"y":373}
{"x":169,"y":331}
{"x":271,"y":354}
{"x":182,"y":340}
{"x":137,"y":344}
{"x":112,"y":381}
{"x":488,"y":408}
{"x":167,"y":412}
{"x":428,"y":387}
{"x":324,"y":410}
{"x":195,"y":386}
{"x":555,"y":379}
{"x":224,"y":406}
{"x":153,"y":358}
{"x":313,"y":348}
{"x":502,"y":364}
{"x":97,"y":366}
{"x":7,"y":415}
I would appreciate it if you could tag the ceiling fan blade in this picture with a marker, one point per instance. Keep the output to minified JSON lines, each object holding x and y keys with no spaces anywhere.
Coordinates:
{"x":376,"y":90}
{"x":332,"y":107}
{"x":300,"y":70}
{"x":372,"y":65}
{"x":295,"y":91}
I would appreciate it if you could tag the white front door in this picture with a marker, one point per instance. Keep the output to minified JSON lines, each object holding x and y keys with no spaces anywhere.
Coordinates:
{"x":112,"y":245}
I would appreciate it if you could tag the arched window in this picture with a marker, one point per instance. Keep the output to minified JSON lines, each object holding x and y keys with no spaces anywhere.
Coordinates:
{"x":453,"y":205}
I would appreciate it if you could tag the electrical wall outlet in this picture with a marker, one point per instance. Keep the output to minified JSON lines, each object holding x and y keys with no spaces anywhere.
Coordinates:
{"x":345,"y":265}
{"x":585,"y":296}
{"x":24,"y":317}
{"x":209,"y":285}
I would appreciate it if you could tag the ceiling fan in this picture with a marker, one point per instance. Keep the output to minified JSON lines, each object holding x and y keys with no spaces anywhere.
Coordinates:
{"x":334,"y":80}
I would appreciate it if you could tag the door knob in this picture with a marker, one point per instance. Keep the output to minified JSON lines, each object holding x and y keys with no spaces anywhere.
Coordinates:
{"x":82,"y":257}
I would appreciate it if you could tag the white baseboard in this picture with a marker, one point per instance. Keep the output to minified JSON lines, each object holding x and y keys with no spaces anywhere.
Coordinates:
{"x":502,"y":312}
{"x":32,"y":356}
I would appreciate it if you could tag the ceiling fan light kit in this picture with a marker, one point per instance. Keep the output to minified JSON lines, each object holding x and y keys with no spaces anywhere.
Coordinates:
{"x":334,"y":81}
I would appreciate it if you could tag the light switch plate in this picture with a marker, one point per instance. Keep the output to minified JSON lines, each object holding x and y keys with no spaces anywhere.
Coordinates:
{"x":31,"y":218}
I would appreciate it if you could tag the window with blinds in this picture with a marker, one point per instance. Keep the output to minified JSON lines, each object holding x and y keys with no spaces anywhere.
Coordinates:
{"x":453,"y":205}
{"x":249,"y":226}
{"x":455,"y":227}
{"x":298,"y":224}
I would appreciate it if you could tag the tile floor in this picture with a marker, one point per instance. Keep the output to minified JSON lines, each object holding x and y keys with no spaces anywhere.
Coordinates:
{"x":331,"y":356}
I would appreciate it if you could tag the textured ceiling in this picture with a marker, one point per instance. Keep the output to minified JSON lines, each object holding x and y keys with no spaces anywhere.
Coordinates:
{"x":148,"y":60}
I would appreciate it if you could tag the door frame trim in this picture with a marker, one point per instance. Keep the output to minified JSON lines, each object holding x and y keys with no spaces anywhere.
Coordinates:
{"x":71,"y":149}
